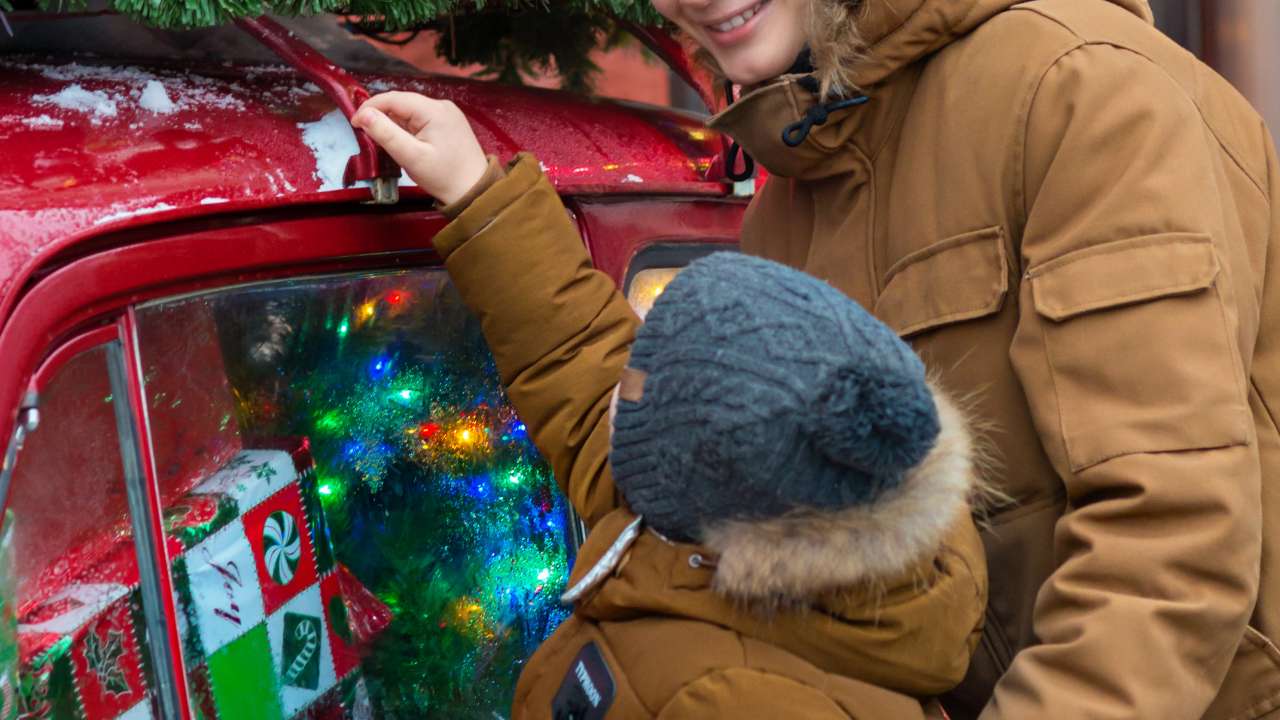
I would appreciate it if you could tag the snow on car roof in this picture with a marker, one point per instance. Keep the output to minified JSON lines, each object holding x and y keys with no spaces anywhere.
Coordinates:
{"x":94,"y":146}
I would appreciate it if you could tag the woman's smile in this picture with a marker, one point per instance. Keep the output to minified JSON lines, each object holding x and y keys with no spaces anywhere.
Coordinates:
{"x":738,"y":26}
{"x":752,"y":41}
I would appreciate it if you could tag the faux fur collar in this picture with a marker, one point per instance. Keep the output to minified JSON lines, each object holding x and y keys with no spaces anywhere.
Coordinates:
{"x":799,"y":556}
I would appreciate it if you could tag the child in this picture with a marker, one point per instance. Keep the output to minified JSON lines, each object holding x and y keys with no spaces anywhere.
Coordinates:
{"x":784,"y":531}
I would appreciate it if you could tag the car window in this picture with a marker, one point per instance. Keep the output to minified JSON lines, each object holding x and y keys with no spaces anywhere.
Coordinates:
{"x":70,"y":567}
{"x":362,"y":522}
{"x":647,"y":285}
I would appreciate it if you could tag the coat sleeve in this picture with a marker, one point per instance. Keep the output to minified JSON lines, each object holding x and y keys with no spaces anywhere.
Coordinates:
{"x":1128,"y":349}
{"x":559,"y":330}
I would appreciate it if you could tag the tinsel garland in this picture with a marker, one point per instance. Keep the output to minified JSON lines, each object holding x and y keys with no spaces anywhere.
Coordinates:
{"x":510,"y":39}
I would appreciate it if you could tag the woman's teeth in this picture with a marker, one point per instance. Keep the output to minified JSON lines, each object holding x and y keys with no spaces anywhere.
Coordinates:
{"x":738,"y":20}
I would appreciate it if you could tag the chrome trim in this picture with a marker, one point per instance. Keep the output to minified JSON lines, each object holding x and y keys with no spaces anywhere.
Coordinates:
{"x":143,"y":539}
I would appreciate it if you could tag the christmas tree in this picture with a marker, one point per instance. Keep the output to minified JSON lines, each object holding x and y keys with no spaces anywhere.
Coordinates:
{"x":508,"y":38}
{"x":435,"y":496}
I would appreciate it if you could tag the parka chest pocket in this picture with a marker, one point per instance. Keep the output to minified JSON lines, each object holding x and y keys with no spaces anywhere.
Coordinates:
{"x":957,"y":279}
{"x":1140,"y":354}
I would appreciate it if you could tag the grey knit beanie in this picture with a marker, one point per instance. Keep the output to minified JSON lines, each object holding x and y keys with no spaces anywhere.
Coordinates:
{"x":767,"y":391}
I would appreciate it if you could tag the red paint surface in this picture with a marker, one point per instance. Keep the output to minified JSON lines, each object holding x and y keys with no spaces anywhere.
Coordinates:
{"x":617,"y":231}
{"x":235,"y":136}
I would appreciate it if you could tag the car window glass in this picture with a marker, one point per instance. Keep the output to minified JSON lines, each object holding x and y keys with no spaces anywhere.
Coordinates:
{"x":362,"y":522}
{"x":647,"y":285}
{"x":74,"y":572}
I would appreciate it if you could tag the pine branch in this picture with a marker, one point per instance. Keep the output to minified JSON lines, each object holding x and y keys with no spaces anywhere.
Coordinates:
{"x":509,"y":39}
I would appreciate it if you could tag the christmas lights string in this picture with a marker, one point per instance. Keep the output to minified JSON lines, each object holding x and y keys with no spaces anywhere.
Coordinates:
{"x":435,"y":495}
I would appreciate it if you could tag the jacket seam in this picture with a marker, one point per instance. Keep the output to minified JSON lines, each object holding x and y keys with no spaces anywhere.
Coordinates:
{"x":1024,"y":123}
{"x":1195,"y":101}
{"x":756,"y":671}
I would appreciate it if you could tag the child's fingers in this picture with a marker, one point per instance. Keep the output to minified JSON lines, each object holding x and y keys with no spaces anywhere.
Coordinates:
{"x":412,"y":109}
{"x":403,"y":147}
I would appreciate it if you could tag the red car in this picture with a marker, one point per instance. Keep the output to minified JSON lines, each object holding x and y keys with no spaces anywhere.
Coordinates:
{"x":258,"y":462}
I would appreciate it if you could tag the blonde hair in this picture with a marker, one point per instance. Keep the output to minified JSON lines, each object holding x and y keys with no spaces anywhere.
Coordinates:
{"x":835,"y":43}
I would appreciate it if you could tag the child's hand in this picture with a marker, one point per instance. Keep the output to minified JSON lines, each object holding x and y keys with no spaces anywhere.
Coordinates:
{"x":431,"y":140}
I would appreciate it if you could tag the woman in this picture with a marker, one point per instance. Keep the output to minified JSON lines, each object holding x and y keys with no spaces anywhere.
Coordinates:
{"x":1069,"y":219}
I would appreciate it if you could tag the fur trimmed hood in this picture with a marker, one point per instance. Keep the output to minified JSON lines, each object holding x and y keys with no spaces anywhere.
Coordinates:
{"x":801,"y":556}
{"x":858,"y":43}
{"x":789,"y":560}
{"x":892,"y":594}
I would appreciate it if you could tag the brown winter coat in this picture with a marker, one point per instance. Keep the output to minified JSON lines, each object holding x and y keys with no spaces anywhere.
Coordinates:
{"x":1070,"y":218}
{"x":879,"y":605}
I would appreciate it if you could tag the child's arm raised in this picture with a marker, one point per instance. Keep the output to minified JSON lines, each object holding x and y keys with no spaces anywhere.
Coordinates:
{"x":559,"y":330}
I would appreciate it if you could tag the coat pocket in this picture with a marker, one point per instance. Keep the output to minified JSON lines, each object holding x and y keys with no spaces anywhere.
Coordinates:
{"x":1251,"y":689}
{"x":960,"y":278}
{"x":1140,"y":351}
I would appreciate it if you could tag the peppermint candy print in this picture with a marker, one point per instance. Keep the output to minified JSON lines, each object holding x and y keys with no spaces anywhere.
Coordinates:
{"x":281,"y":546}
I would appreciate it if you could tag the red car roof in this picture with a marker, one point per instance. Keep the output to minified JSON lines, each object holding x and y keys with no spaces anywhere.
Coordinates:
{"x":92,"y":148}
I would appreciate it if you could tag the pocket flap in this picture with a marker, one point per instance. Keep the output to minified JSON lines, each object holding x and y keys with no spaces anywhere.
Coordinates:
{"x":1123,"y":273}
{"x":960,"y":278}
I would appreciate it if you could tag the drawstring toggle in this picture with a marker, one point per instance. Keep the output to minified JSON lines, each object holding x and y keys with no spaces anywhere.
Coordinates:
{"x":797,"y":132}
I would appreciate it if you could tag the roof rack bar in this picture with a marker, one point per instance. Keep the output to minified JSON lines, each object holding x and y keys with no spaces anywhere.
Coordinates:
{"x":371,"y":163}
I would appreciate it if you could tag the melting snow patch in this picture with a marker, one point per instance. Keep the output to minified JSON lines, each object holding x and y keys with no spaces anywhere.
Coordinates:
{"x":155,"y":99}
{"x":43,"y":122}
{"x":379,"y":85}
{"x":332,"y":141}
{"x":158,"y":207}
{"x":75,"y":97}
{"x":632,"y":179}
{"x":213,"y":201}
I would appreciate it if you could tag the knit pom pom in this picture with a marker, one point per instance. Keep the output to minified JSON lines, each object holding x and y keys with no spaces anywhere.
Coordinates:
{"x":881,"y":423}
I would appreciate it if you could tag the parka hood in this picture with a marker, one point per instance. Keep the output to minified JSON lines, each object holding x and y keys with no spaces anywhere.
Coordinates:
{"x":896,"y":33}
{"x":890,"y":593}
{"x":879,"y":60}
{"x":792,"y":559}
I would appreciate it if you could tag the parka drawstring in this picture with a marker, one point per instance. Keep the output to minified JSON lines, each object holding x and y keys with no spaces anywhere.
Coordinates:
{"x":731,"y":157}
{"x":797,"y":132}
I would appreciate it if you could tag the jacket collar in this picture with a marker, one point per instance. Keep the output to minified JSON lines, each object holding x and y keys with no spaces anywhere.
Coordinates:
{"x":897,"y":34}
{"x":757,"y":121}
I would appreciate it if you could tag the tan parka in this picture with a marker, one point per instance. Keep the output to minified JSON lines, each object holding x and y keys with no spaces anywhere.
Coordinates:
{"x":1071,"y":219}
{"x":883,"y":605}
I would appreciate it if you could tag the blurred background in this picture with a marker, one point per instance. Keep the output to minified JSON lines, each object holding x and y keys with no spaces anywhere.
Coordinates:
{"x":1238,"y":38}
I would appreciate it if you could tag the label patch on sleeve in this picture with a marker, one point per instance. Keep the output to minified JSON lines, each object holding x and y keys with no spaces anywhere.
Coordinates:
{"x":587,"y":689}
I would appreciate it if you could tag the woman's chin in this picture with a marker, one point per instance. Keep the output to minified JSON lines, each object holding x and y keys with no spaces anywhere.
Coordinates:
{"x":760,"y":61}
{"x":748,"y":74}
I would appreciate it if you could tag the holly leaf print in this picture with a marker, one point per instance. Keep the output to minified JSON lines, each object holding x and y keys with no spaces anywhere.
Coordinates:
{"x":104,"y":661}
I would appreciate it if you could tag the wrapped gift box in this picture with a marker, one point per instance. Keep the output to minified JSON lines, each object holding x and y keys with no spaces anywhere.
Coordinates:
{"x":266,"y":614}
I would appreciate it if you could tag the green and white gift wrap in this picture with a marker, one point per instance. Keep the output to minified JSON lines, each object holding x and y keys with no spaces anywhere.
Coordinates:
{"x":266,"y":626}
{"x":262,"y":611}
